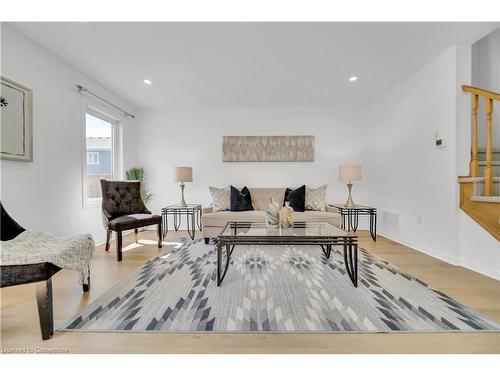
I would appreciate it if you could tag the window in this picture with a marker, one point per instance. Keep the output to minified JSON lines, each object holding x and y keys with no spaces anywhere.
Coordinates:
{"x":101,"y":151}
{"x":92,"y":157}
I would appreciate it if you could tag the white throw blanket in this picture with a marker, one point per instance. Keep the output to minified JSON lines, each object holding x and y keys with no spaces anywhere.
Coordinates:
{"x":72,"y":252}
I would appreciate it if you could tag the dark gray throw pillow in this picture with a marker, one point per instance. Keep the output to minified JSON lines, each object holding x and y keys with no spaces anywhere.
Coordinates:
{"x":297,"y":198}
{"x":241,"y":200}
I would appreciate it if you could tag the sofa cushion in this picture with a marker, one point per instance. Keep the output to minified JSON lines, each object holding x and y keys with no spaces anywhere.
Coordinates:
{"x":320,"y":216}
{"x":219,"y":219}
{"x":220,"y":198}
{"x":262,"y":196}
{"x":297,"y":198}
{"x":315,"y":198}
{"x":241,"y":200}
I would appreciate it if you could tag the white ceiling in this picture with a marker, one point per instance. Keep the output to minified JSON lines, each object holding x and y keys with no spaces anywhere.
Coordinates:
{"x":250,"y":64}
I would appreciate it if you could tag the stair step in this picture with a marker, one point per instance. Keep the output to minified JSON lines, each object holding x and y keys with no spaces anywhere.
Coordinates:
{"x":476,"y":179}
{"x":482,"y":198}
{"x":479,"y":185}
{"x":484,"y":210}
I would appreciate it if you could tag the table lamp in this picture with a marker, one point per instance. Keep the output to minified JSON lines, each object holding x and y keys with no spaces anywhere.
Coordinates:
{"x":183,"y":174}
{"x":349,"y":173}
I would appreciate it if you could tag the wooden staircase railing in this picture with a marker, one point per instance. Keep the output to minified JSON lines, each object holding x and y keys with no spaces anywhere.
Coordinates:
{"x":489,"y":97}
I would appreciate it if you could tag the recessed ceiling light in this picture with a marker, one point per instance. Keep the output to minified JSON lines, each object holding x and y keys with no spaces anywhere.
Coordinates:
{"x":353,"y":79}
{"x":147,"y":82}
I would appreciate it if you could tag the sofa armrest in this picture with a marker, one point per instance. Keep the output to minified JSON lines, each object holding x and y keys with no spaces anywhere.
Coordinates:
{"x":207,"y":210}
{"x":332,"y":209}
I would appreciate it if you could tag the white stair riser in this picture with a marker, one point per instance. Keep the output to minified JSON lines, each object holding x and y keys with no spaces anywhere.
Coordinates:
{"x":495,"y":170}
{"x":479,"y":188}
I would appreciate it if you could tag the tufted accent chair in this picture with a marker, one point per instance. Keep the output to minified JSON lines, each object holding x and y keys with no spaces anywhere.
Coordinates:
{"x":123,"y":209}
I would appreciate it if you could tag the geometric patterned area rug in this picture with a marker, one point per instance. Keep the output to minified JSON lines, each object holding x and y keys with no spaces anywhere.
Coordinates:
{"x":273,"y":289}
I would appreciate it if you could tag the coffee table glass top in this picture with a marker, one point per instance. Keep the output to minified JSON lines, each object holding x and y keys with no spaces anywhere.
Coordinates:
{"x":300,"y":229}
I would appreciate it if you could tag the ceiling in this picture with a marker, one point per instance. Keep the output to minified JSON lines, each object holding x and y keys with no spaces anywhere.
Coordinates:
{"x":250,"y":64}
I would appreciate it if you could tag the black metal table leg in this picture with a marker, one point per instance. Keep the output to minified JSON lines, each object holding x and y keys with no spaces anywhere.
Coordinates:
{"x":200,"y":213}
{"x":193,"y":223}
{"x":351,"y":261}
{"x":190,"y":226}
{"x":355,"y":219}
{"x":373,"y":224}
{"x":327,"y":249}
{"x":165,"y":225}
{"x":220,"y":274}
{"x":177,"y":220}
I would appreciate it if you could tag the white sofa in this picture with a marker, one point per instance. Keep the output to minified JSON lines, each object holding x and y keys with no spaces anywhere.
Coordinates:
{"x":214,"y":222}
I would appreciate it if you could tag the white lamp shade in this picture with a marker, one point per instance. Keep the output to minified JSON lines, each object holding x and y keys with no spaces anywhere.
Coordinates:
{"x":183,"y":174}
{"x":349,"y":173}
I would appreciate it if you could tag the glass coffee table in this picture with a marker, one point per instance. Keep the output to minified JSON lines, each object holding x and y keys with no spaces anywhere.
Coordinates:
{"x":324,"y":235}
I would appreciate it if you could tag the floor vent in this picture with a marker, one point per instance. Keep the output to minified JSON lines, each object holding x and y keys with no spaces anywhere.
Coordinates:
{"x":390,"y":218}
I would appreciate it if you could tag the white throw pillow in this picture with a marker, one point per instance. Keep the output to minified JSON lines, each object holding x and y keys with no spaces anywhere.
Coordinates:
{"x":315,"y":198}
{"x":220,"y":198}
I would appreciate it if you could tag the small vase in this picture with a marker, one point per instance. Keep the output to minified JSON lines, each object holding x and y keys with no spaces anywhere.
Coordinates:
{"x":286,"y":216}
{"x":272,"y":214}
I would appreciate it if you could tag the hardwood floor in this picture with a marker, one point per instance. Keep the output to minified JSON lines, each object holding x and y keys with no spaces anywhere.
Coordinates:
{"x":20,"y":329}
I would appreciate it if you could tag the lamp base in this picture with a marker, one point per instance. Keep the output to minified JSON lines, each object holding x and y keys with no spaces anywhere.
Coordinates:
{"x":349,"y":203}
{"x":183,"y":201}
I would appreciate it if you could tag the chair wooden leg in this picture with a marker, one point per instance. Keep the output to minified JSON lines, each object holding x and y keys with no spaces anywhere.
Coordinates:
{"x":45,"y":312}
{"x":108,"y":239}
{"x":119,"y":246}
{"x":86,"y":286}
{"x":159,"y":236}
{"x":136,"y":235}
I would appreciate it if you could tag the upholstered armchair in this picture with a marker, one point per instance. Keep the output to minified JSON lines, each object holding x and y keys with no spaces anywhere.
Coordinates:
{"x":123,"y":209}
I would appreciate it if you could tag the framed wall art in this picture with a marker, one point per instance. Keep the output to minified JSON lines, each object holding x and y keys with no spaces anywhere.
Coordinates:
{"x":298,"y":148}
{"x":16,"y":120}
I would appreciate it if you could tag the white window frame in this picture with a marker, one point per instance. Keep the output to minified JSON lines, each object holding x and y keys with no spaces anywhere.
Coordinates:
{"x":95,"y":159}
{"x":116,"y":150}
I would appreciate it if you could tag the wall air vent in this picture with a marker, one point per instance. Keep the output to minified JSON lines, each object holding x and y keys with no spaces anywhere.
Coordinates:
{"x":390,"y":218}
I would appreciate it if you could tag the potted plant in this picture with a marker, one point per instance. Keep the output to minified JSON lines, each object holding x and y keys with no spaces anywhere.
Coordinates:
{"x":137,"y":174}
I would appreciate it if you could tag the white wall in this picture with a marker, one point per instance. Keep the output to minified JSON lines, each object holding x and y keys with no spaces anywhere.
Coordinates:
{"x":486,"y":75}
{"x":46,"y":194}
{"x":479,"y":251}
{"x":194,"y":138}
{"x":407,"y":174}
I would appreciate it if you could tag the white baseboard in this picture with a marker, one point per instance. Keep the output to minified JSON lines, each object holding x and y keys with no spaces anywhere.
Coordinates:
{"x":486,"y":271}
{"x":423,"y":249}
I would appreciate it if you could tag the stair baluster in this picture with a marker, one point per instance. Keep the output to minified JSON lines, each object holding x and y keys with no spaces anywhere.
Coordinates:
{"x":488,"y":176}
{"x":474,"y":165}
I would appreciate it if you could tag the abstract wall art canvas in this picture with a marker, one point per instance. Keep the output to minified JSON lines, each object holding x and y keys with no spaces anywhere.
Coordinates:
{"x":16,"y":121}
{"x":298,"y":148}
